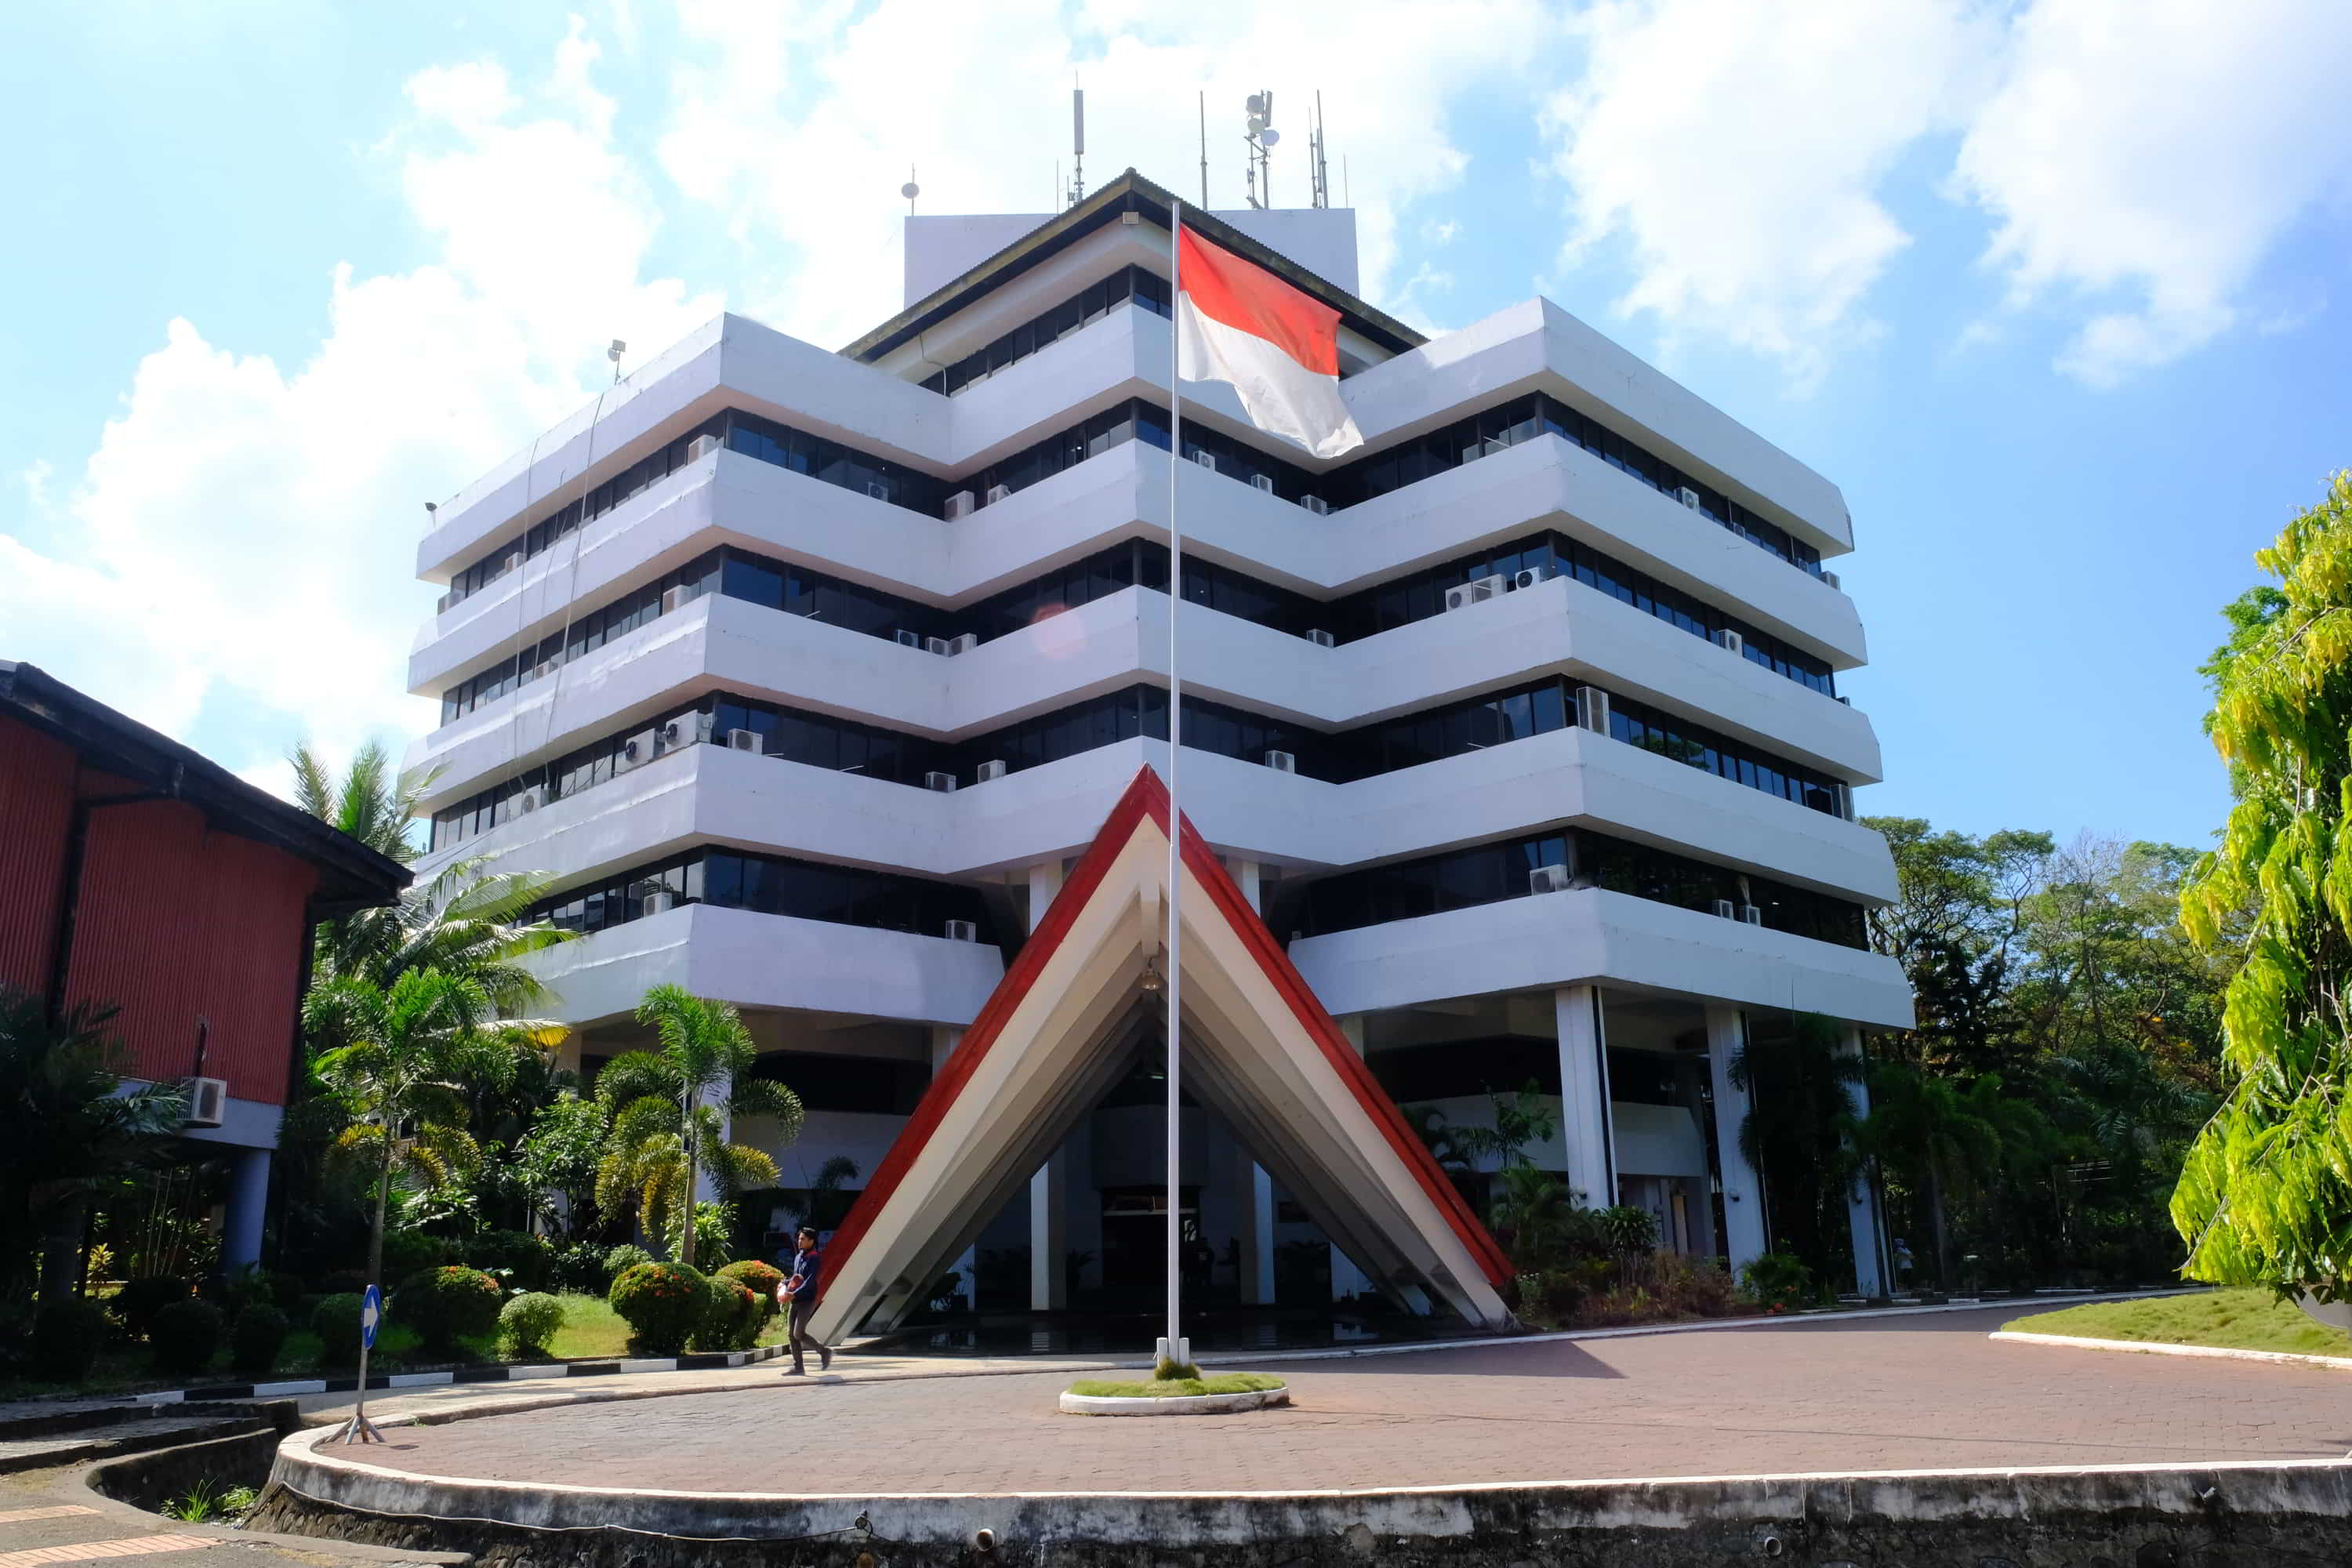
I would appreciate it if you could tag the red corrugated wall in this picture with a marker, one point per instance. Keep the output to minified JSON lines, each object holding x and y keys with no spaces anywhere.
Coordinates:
{"x":36,"y":787}
{"x":178,"y":922}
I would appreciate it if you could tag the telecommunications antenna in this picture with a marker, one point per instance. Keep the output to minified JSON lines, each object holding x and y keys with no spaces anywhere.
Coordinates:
{"x":1258,"y":139}
{"x":1077,"y":145}
{"x":910,"y":190}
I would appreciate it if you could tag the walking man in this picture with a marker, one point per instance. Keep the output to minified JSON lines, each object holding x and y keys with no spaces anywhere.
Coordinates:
{"x":801,"y":1288}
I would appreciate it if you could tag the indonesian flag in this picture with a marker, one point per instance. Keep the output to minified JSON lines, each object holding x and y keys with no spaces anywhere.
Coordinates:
{"x":1280,"y":348}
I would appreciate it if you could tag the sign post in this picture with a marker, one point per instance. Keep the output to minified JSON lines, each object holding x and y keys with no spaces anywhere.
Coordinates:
{"x":359,"y":1428}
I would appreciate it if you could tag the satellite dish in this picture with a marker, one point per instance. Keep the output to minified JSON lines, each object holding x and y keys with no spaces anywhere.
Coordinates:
{"x":1268,"y":137}
{"x":1257,"y":104}
{"x":910,"y":190}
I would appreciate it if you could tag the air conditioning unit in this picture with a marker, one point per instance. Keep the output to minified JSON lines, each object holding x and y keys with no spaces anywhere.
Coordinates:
{"x":962,"y":930}
{"x":1262,"y":481}
{"x":700,"y":447}
{"x":1206,"y":459}
{"x":1527,"y":577}
{"x":1751,"y":914}
{"x":964,"y":644}
{"x":1847,"y":701}
{"x":750,"y":741}
{"x":1832,"y":579}
{"x":658,"y":904}
{"x":877,"y":490}
{"x":542,"y":669}
{"x":1475,"y":592}
{"x":1282,"y":761}
{"x":1727,"y":639}
{"x":936,"y":645}
{"x":530,"y":800}
{"x":943,"y":782}
{"x":207,"y":1102}
{"x":1316,"y":505}
{"x":676,"y":732}
{"x":1688,"y":497}
{"x":513,"y":563}
{"x":676,"y":599}
{"x":1322,"y":638}
{"x":1592,"y":709}
{"x":1725,"y":909}
{"x":999,"y":492}
{"x":1546,"y":879}
{"x":636,"y":751}
{"x":992,"y":770}
{"x":909,"y":639}
{"x":961,"y":504}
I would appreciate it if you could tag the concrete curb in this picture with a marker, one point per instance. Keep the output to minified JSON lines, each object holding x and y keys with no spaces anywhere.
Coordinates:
{"x":501,"y":1372}
{"x":2159,"y":1347}
{"x":1174,"y":1405}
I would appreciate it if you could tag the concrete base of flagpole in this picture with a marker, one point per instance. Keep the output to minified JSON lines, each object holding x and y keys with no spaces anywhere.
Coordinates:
{"x":1178,"y":1350}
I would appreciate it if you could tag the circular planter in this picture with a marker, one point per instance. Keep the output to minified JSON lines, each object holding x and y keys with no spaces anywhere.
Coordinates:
{"x":1175,"y":1404}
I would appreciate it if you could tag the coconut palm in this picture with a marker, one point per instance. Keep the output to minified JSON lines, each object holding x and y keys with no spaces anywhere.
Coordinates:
{"x":671,"y":1109}
{"x":411,"y":1056}
{"x":70,"y":1128}
{"x":1943,"y":1137}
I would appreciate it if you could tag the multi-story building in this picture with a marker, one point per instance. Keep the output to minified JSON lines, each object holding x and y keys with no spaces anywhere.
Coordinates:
{"x":809,"y":675}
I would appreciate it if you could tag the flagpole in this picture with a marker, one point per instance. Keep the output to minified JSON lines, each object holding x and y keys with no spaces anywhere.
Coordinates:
{"x":1174,"y":1348}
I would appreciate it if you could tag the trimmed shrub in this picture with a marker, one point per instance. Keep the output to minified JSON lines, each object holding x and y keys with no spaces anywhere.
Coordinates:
{"x":580,"y":1267}
{"x":408,"y":1253}
{"x":256,"y":1337}
{"x":623,"y":1259}
{"x":1779,"y":1281}
{"x":731,"y":1320}
{"x":663,"y":1304}
{"x":286,"y":1292}
{"x":344,"y":1282}
{"x":449,"y":1304}
{"x":140,"y":1299}
{"x":336,"y":1321}
{"x":523,"y":1261}
{"x":527,"y":1322}
{"x":761,"y":1280}
{"x":185,"y":1336}
{"x":67,"y":1336}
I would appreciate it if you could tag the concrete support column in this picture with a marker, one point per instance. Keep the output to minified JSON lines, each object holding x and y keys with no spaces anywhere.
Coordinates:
{"x":1584,"y":1094}
{"x":1048,"y":1237}
{"x":248,"y":1201}
{"x":1743,"y":1191}
{"x":1252,"y":882}
{"x":1254,"y":1232}
{"x":1872,"y":1276}
{"x":1044,"y":881}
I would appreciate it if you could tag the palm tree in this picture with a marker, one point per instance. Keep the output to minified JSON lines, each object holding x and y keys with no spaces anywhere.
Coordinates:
{"x":1535,"y":1208}
{"x":1944,"y":1137}
{"x":667,"y":1105}
{"x":823,"y":1207}
{"x":371,"y":802}
{"x":69,"y":1131}
{"x":411,"y":1056}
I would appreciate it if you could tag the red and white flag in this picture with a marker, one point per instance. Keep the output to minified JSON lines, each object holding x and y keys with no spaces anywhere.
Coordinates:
{"x":1237,"y":322}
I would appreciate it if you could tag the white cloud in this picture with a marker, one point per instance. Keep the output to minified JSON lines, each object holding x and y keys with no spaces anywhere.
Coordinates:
{"x":1739,"y":150}
{"x":244,"y":531}
{"x":2158,"y":150}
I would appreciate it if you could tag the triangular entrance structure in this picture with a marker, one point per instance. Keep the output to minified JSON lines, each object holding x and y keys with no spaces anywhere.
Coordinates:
{"x":1259,"y":1050}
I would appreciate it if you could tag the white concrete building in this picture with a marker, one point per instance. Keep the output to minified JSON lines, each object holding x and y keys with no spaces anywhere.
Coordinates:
{"x":809,"y":674}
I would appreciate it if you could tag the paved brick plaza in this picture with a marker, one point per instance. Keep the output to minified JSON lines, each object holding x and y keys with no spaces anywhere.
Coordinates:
{"x":1887,"y":1394}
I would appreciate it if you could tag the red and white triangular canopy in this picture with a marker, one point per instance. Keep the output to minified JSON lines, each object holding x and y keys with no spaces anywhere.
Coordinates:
{"x":1259,"y":1051}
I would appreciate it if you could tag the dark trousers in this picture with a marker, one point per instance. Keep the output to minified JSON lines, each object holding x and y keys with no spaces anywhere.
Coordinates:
{"x":801,"y":1314}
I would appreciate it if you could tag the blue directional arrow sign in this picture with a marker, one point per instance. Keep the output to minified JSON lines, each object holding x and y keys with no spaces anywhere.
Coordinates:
{"x":371,"y":1314}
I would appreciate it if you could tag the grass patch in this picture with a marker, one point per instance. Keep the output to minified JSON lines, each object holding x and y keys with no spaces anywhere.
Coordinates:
{"x":1176,"y":1388}
{"x":591,"y":1328}
{"x":2245,"y":1319}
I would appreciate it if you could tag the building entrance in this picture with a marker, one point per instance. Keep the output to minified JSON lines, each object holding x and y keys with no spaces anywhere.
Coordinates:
{"x":1135,"y":1246}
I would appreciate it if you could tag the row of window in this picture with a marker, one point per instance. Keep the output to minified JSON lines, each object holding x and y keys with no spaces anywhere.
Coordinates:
{"x":1489,"y":873}
{"x":773,"y":885}
{"x":1147,"y":290}
{"x":845,"y":746}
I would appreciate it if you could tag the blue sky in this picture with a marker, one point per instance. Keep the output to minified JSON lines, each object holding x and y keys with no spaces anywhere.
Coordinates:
{"x":2052,"y":289}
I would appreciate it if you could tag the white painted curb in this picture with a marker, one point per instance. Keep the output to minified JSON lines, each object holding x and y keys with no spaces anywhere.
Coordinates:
{"x":1175,"y":1404}
{"x":2153,"y":1347}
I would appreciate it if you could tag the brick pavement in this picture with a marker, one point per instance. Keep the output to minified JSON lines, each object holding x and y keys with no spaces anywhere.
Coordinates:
{"x":1889,"y":1394}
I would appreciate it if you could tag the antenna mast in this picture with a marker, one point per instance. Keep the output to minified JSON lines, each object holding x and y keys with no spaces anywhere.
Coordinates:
{"x":1204,"y":149}
{"x":1318,"y":163}
{"x":1078,"y":145}
{"x":1260,"y":138}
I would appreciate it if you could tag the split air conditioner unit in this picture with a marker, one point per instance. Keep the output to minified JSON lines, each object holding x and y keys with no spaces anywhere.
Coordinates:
{"x":513,"y":563}
{"x":1727,"y":639}
{"x":1751,"y":914}
{"x":1527,"y":577}
{"x":962,"y":930}
{"x":1262,"y":481}
{"x":1726,"y":910}
{"x":999,"y":492}
{"x":1476,"y":592}
{"x":964,"y":644}
{"x":1282,"y":761}
{"x":992,"y":770}
{"x":676,"y":599}
{"x":750,"y":741}
{"x":683,"y":731}
{"x":1206,"y":459}
{"x":207,"y":1102}
{"x":658,"y":904}
{"x":877,"y":490}
{"x":1592,"y":709}
{"x":1546,"y":879}
{"x":910,"y":639}
{"x":1316,"y":505}
{"x":961,"y":504}
{"x":1322,"y":638}
{"x":943,"y":782}
{"x":637,"y":749}
{"x":936,"y":645}
{"x":530,"y":800}
{"x":1688,"y":497}
{"x":700,"y":447}
{"x":1832,"y":579}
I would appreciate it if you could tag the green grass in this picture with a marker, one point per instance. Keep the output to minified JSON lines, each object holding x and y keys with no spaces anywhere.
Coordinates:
{"x":1225,"y":1382}
{"x":2232,"y":1319}
{"x":591,"y":1328}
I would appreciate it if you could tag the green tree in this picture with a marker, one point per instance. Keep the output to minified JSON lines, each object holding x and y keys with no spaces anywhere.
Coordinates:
{"x":2265,"y":1196}
{"x":666,"y":1121}
{"x":558,"y":1156}
{"x":1799,"y":1130}
{"x":70,"y":1130}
